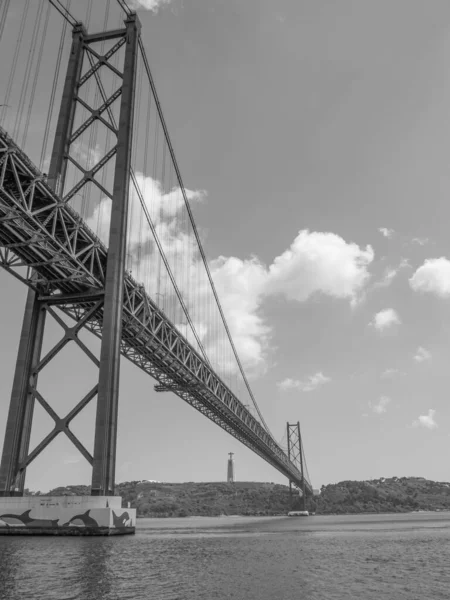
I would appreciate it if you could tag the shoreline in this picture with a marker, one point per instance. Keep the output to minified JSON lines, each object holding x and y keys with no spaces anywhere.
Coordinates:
{"x":341,"y":514}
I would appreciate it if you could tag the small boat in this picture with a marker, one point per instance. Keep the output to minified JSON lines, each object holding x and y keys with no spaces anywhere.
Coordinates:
{"x":298,"y":513}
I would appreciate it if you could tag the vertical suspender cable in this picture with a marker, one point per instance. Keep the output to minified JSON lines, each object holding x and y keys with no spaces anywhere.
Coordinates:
{"x":197,"y":237}
{"x":304,"y":463}
{"x":14,"y":61}
{"x":36,"y":75}
{"x":26,"y":78}
{"x":167,"y":265}
{"x":3,"y":15}
{"x":144,"y":173}
{"x":108,"y":133}
{"x":53,"y":93}
{"x":88,"y":14}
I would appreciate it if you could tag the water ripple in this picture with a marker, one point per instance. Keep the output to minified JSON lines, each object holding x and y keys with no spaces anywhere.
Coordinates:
{"x":397,"y":557}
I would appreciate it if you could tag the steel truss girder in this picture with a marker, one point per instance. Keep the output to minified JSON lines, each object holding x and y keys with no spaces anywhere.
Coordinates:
{"x":40,"y":230}
{"x":149,"y":339}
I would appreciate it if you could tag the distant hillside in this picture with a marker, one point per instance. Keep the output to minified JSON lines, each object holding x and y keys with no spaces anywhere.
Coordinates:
{"x":200,"y":499}
{"x":396,"y":494}
{"x":154,"y":499}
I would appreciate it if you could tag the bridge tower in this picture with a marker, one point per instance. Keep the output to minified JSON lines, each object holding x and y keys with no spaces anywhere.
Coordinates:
{"x":106,"y":302}
{"x":295,"y":454}
{"x":230,"y":469}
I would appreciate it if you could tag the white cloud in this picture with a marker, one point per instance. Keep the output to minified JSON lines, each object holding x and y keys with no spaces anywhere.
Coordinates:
{"x":384,"y":319}
{"x":315,"y":262}
{"x":200,"y":328}
{"x":388,"y":233}
{"x":239,"y":283}
{"x":426,"y":421}
{"x":240,"y":286}
{"x":420,"y":241}
{"x":152,"y":5}
{"x":422,"y":354}
{"x":388,"y":277}
{"x":163,"y":208}
{"x":320,"y":262}
{"x":380,"y":406}
{"x":433,"y":276}
{"x":308,"y":385}
{"x":85,"y":156}
{"x":388,"y":373}
{"x":391,"y":273}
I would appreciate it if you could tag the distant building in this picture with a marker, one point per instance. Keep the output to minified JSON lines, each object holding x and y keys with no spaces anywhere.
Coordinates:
{"x":230,"y":469}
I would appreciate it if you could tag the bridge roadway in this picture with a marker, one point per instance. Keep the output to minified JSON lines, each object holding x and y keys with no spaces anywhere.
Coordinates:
{"x":46,"y":244}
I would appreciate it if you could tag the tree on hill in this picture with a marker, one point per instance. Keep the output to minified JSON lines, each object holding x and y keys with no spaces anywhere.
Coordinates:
{"x":154,"y":499}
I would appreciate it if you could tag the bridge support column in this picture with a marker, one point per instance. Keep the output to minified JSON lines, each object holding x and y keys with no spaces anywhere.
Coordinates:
{"x":103,"y":472}
{"x":20,"y":415}
{"x":102,"y":303}
{"x":295,"y":454}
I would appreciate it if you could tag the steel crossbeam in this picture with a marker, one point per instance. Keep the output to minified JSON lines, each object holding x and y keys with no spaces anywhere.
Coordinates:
{"x":61,"y":425}
{"x":70,"y":271}
{"x":96,"y":114}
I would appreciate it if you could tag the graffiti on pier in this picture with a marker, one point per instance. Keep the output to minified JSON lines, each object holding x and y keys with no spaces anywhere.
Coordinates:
{"x":83,"y":520}
{"x":24,"y":520}
{"x":68,"y":519}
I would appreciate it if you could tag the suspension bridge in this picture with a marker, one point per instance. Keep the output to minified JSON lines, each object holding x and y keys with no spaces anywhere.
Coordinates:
{"x":96,"y":222}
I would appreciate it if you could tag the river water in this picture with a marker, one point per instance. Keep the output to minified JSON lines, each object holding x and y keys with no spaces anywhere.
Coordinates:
{"x":363,"y":557}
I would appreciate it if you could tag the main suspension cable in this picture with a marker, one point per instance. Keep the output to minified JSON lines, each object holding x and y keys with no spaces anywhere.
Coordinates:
{"x":197,"y":237}
{"x":304,"y":463}
{"x":124,"y":6}
{"x":166,"y":264}
{"x":64,"y":11}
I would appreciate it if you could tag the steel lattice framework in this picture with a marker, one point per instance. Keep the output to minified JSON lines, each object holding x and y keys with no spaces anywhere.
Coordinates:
{"x":47,"y":246}
{"x":295,"y":452}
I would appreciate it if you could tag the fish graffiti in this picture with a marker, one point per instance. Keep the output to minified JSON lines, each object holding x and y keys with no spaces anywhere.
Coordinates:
{"x":121,"y":521}
{"x":25,"y":520}
{"x":84,"y":520}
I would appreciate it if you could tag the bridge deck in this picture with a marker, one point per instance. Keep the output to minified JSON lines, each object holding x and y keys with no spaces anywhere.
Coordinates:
{"x":45,"y":243}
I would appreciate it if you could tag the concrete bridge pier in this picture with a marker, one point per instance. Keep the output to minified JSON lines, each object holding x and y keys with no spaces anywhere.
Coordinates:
{"x":65,"y":515}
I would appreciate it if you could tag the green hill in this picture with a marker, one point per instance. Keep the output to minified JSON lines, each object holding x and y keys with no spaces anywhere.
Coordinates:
{"x":154,"y":499}
{"x":200,"y":499}
{"x":395,"y":494}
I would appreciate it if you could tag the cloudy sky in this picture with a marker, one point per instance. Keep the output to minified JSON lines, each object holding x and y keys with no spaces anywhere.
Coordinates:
{"x":320,"y":132}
